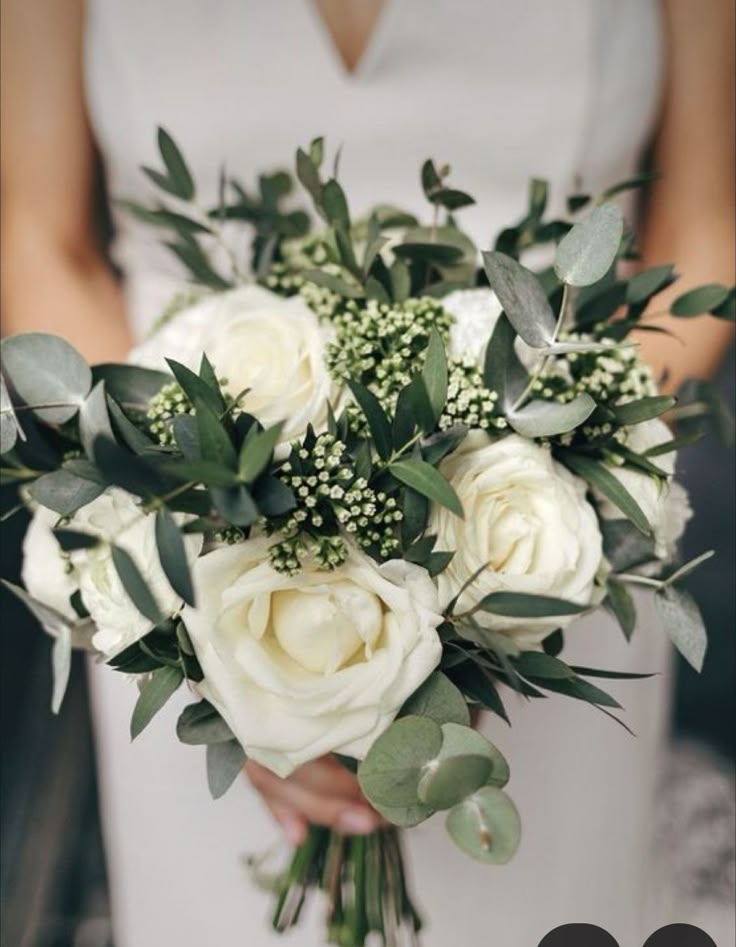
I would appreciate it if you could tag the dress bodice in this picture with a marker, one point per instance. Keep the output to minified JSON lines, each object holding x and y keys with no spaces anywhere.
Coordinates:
{"x":501,"y":90}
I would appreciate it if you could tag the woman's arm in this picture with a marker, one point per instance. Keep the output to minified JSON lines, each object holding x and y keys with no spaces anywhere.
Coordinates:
{"x":54,"y":278}
{"x":690,"y":218}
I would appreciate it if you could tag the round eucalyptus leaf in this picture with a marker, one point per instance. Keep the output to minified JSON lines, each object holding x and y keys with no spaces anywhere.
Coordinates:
{"x":45,"y":369}
{"x":464,"y":741}
{"x":444,"y":783}
{"x":406,"y":817}
{"x":8,"y":422}
{"x":390,"y":773}
{"x":440,"y":700}
{"x":548,"y":418}
{"x":585,"y":254}
{"x":486,"y":826}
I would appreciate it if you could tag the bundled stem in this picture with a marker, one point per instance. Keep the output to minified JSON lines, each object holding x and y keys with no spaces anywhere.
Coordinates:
{"x":364,"y":880}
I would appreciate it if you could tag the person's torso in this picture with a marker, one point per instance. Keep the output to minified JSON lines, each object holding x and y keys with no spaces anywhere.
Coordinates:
{"x":502,"y":90}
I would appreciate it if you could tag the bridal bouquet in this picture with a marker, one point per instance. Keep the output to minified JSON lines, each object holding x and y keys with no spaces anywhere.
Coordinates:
{"x":352,"y":488}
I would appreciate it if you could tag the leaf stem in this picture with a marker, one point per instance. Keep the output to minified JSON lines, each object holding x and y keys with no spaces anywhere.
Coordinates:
{"x":544,"y":360}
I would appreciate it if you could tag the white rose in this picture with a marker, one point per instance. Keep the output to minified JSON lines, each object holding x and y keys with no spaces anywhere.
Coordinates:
{"x":257,"y":340}
{"x":663,"y":502}
{"x":475,"y":313}
{"x":527,"y":520}
{"x":47,"y":573}
{"x":52,"y":577}
{"x":316,"y":663}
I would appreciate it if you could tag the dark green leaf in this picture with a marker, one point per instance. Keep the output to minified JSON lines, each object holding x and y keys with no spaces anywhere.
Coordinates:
{"x":434,"y":374}
{"x":70,"y":539}
{"x":173,"y":556}
{"x":194,"y":259}
{"x":378,"y":423}
{"x":273,"y":497}
{"x":536,"y":664}
{"x":135,"y":585}
{"x":634,"y":412}
{"x":701,"y":300}
{"x":622,"y":605}
{"x":423,"y":478}
{"x":521,"y":605}
{"x":437,"y":253}
{"x":256,"y":452}
{"x":196,"y":388}
{"x":178,"y":172}
{"x":642,"y":286}
{"x":130,"y":385}
{"x":599,"y":477}
{"x":154,"y":694}
{"x":124,"y":469}
{"x":236,"y":505}
{"x":502,"y":370}
{"x":214,"y":441}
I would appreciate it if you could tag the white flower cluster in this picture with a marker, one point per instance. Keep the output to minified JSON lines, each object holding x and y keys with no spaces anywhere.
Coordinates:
{"x":330,"y":496}
{"x":469,"y":402}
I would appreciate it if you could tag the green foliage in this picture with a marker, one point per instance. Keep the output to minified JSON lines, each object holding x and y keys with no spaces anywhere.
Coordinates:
{"x":486,"y":826}
{"x":225,"y":762}
{"x":681,"y":619}
{"x":440,"y":700}
{"x":586,"y":253}
{"x":153,"y":695}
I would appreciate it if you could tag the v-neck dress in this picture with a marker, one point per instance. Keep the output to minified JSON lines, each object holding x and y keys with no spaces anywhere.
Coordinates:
{"x":502,"y":90}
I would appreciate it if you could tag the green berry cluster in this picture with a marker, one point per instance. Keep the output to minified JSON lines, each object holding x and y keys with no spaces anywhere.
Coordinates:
{"x":469,"y":402}
{"x":331,"y":500}
{"x":613,"y":376}
{"x":383,"y":344}
{"x":167,"y":404}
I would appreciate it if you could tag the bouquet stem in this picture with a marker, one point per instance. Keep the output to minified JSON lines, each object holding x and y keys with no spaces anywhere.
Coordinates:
{"x":364,"y":879}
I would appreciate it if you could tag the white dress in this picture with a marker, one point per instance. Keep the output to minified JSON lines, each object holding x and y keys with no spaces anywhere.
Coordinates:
{"x":502,"y":90}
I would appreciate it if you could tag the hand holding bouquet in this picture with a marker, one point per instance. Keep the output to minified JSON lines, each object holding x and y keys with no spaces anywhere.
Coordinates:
{"x":356,"y":494}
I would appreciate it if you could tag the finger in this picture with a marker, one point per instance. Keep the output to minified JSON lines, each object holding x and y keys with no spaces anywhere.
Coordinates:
{"x":294,"y":825}
{"x":328,"y":776}
{"x":346,"y":816}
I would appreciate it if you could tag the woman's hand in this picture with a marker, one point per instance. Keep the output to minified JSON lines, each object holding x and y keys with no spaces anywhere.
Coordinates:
{"x":322,"y":792}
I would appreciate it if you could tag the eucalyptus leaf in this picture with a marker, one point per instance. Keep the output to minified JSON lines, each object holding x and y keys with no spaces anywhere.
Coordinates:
{"x":154,"y":694}
{"x":390,"y":773}
{"x":440,"y":700}
{"x":586,"y":253}
{"x":502,"y":370}
{"x":681,"y":619}
{"x":201,"y":724}
{"x":444,"y":783}
{"x":404,"y":816}
{"x":173,"y":555}
{"x":135,"y":585}
{"x":425,"y":479}
{"x":46,"y":370}
{"x":63,"y":492}
{"x":94,"y":420}
{"x":549,"y":418}
{"x":460,"y":740}
{"x":225,"y":762}
{"x":522,"y":297}
{"x":9,"y":426}
{"x":486,"y":826}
